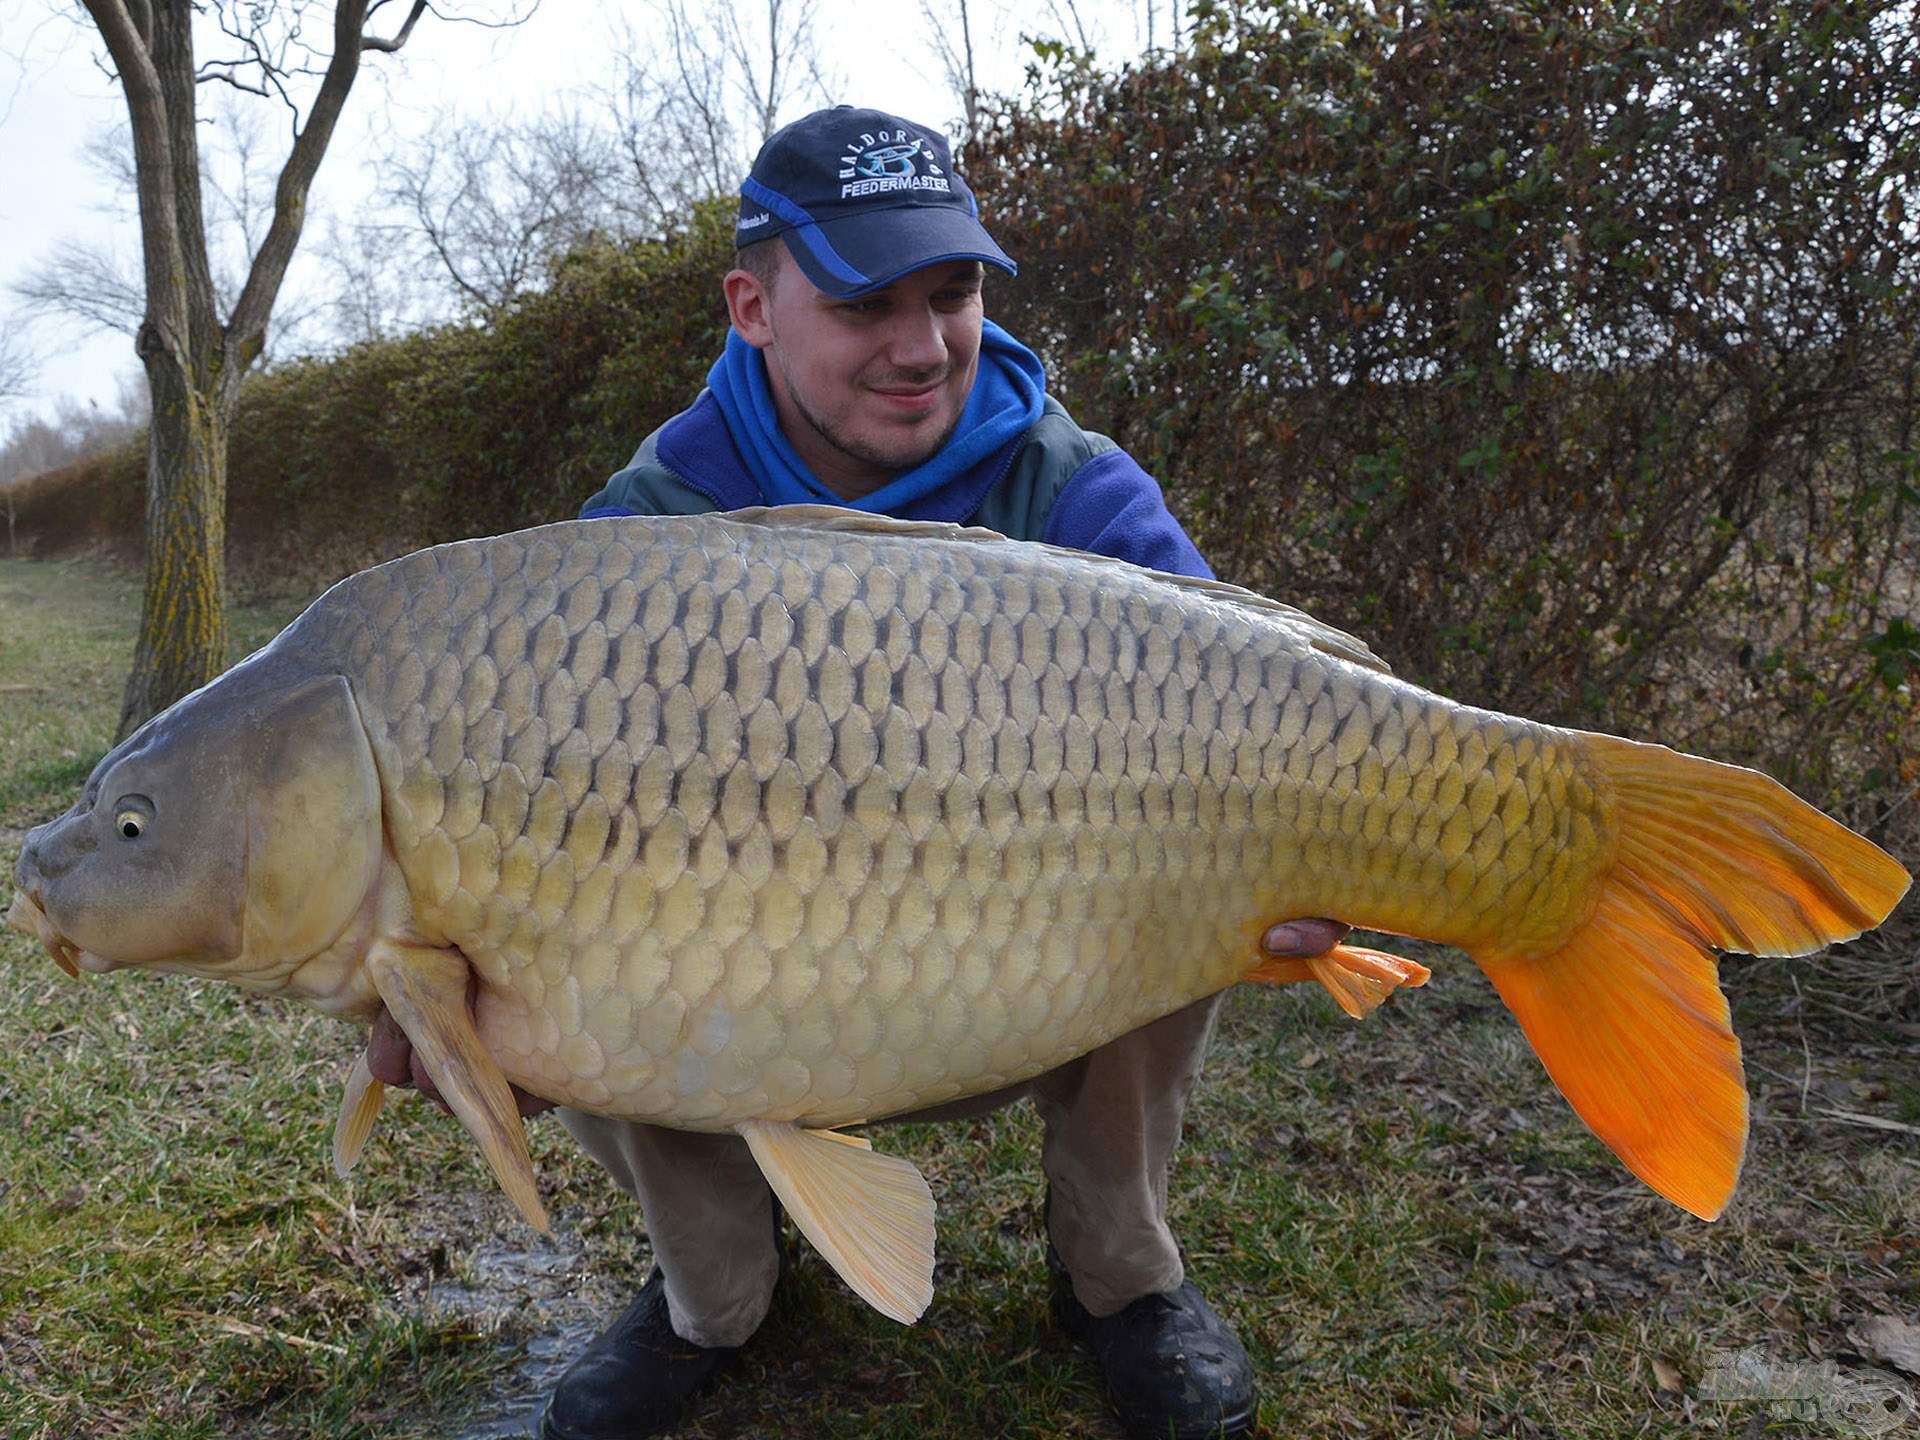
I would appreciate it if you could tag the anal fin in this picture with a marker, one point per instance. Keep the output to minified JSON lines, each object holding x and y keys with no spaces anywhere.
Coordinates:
{"x":425,"y":990}
{"x":1359,"y":979}
{"x":870,"y":1215}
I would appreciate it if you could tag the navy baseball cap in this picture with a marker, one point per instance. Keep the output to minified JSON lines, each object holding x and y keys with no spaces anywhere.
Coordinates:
{"x":861,"y":198}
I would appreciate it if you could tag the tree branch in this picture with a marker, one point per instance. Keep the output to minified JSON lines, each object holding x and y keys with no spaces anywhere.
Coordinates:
{"x":17,"y":362}
{"x":165,"y":317}
{"x":87,"y":282}
{"x":246,"y":330}
{"x":205,"y":75}
{"x":370,"y":42}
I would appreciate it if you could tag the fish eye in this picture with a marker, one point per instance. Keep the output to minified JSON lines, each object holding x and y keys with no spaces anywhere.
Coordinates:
{"x":132,"y":816}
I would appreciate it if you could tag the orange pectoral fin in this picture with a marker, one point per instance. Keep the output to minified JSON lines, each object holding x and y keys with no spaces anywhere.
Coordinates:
{"x":1357,"y":978}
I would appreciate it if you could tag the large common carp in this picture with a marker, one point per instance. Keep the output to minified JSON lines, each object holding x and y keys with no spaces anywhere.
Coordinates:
{"x":781,"y":821}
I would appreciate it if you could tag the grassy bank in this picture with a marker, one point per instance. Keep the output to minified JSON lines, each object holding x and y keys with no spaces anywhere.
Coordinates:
{"x":1407,"y":1226}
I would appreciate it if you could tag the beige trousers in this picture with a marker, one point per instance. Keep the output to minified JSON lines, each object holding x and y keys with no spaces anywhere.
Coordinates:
{"x":1112,"y":1121}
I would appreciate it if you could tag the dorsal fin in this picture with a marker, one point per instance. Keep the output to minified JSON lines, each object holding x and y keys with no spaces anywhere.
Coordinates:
{"x":849,"y":521}
{"x":839,"y":519}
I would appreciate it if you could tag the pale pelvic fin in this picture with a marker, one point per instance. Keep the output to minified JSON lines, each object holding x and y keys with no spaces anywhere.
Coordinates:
{"x":359,"y":1108}
{"x":870,"y":1215}
{"x":426,"y":993}
{"x":838,"y":518}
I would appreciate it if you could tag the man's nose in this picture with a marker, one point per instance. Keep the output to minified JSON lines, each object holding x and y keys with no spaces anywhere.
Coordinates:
{"x":915,"y":341}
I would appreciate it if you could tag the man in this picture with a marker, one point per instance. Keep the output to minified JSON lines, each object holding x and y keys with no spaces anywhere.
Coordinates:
{"x":860,"y":371}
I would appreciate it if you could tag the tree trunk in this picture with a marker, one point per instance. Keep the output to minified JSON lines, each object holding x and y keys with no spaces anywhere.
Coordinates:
{"x":183,"y":616}
{"x":194,"y":362}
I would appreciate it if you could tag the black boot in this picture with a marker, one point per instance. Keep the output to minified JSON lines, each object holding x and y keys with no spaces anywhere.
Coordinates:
{"x":634,"y":1378}
{"x":1174,"y":1369}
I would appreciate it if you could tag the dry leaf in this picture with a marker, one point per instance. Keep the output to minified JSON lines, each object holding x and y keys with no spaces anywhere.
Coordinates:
{"x":1667,"y":1378}
{"x":1309,"y":1060}
{"x":1890,"y":1341}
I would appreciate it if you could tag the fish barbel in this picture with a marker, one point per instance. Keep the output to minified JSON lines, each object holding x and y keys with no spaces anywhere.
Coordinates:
{"x":786,"y":820}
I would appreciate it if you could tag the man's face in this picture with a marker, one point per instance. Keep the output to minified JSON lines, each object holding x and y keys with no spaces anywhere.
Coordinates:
{"x":870,"y":387}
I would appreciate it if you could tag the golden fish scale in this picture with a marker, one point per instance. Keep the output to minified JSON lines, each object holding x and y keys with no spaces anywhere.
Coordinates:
{"x":746,"y":820}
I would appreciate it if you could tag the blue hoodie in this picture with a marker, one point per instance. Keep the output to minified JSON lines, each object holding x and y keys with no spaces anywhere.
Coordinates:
{"x":1047,"y":480}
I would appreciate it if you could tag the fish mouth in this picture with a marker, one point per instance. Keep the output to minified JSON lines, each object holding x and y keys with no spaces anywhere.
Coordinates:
{"x":26,"y":915}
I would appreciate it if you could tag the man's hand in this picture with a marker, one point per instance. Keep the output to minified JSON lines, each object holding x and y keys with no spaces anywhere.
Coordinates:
{"x":391,"y":1059}
{"x":1303,"y":939}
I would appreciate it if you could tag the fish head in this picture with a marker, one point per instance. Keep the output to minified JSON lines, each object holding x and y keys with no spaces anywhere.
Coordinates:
{"x":236,"y":835}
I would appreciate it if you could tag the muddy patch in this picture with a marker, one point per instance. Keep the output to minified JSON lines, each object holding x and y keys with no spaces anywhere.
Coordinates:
{"x":542,"y":1298}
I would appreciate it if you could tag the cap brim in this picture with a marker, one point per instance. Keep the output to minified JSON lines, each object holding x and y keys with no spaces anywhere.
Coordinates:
{"x":857,"y":254}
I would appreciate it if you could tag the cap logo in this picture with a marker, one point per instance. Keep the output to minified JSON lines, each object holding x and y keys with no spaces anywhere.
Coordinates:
{"x":886,"y":161}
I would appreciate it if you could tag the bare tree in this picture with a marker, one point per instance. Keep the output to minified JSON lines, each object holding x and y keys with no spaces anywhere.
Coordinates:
{"x":194,"y":355}
{"x":239,"y":179}
{"x":492,"y":204}
{"x":18,"y":363}
{"x":955,"y":26}
{"x":477,"y":212}
{"x":1147,"y":26}
{"x":376,"y":289}
{"x":103,"y":287}
{"x":771,"y":63}
{"x":750,"y":61}
{"x":674,"y":129}
{"x":1073,"y":26}
{"x":88,"y":281}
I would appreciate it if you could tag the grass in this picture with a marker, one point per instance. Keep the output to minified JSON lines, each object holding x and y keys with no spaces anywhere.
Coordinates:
{"x":1408,"y":1228}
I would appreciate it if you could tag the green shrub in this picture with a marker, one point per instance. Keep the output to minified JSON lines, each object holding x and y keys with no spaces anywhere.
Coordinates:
{"x":1567,"y":355}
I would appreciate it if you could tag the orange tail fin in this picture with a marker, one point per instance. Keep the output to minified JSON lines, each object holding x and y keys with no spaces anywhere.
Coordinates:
{"x":1357,"y":978}
{"x":1627,"y":1013}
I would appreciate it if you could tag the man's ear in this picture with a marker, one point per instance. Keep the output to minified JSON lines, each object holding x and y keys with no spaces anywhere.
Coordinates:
{"x":748,"y":304}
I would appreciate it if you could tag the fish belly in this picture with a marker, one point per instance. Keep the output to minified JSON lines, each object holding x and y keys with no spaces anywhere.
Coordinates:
{"x":757,"y":821}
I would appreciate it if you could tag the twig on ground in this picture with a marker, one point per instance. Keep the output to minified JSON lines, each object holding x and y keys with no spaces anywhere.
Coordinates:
{"x":260,"y":1332}
{"x":1898,"y":1027}
{"x":1800,"y":1023}
{"x":1872,"y":1122}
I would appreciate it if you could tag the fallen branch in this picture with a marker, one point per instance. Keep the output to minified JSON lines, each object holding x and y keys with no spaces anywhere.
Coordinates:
{"x":1871,"y":1122}
{"x":260,"y":1332}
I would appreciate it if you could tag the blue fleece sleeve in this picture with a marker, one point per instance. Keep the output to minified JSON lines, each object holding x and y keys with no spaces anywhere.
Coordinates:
{"x":1111,"y":506}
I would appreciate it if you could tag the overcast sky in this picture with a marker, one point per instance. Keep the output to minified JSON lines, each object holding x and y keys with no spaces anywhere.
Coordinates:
{"x":54,"y":96}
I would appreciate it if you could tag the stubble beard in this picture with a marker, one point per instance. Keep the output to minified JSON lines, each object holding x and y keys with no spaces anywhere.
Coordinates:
{"x":862,"y":450}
